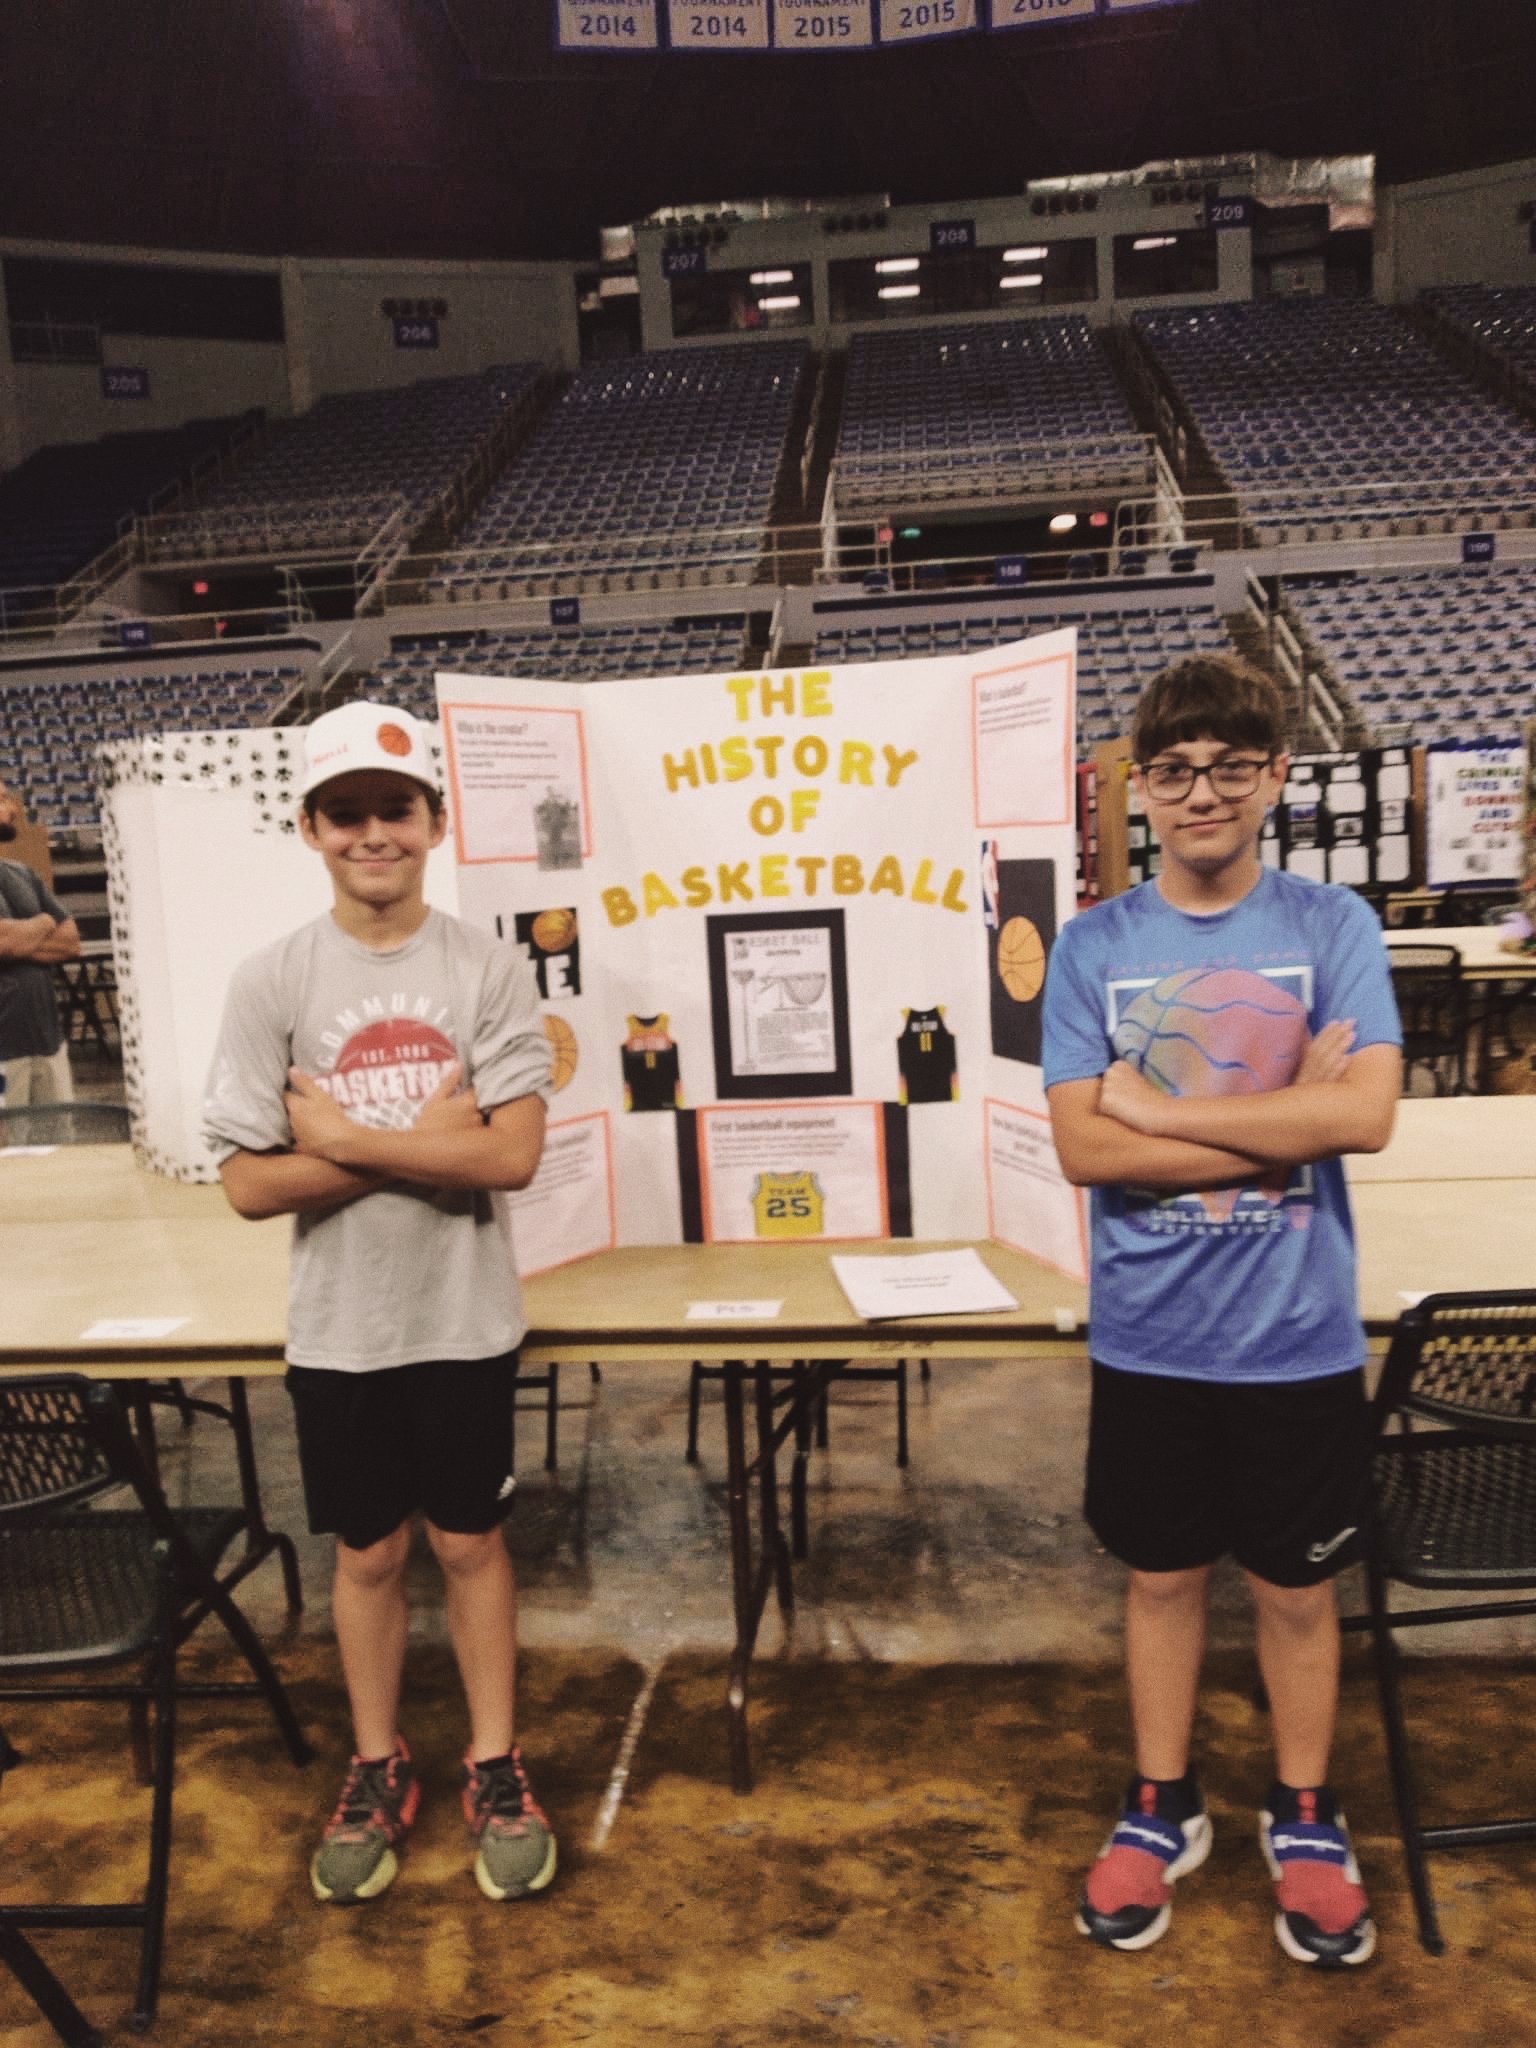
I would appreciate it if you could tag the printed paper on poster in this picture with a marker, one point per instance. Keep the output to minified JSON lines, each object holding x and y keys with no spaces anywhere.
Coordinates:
{"x":517,"y":779}
{"x":1034,"y":1207}
{"x":567,"y":1210}
{"x":1023,"y":765}
{"x":792,"y":1172}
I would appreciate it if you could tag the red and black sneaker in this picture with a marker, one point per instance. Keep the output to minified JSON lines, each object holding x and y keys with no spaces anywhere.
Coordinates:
{"x":1161,"y":1836}
{"x":356,"y":1858}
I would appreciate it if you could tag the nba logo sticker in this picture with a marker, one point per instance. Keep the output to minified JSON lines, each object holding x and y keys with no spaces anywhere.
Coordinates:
{"x":989,"y":884}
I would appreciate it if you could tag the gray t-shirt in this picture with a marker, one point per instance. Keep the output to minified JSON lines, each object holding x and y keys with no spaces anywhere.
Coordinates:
{"x":401,"y":1275}
{"x":29,"y":1016}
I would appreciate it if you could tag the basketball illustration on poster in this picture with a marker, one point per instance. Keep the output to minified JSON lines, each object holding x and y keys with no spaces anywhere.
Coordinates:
{"x":562,"y":1051}
{"x":552,"y":942}
{"x":1017,"y":951}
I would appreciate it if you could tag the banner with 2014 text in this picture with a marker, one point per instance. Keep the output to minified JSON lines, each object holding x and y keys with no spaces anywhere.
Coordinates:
{"x":808,"y":27}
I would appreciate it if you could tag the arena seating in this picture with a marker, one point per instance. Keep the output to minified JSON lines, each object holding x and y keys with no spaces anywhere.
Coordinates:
{"x":662,"y":462}
{"x":1333,"y":419}
{"x":61,"y":507}
{"x":1436,"y":651}
{"x":48,"y":730}
{"x":982,"y":411}
{"x":1499,"y":318}
{"x":328,"y":480}
{"x":696,"y":646}
{"x":1118,"y":651}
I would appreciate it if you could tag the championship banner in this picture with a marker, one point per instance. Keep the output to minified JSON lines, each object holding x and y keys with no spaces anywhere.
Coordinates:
{"x":715,"y":25}
{"x":1038,"y":13}
{"x":917,"y":21}
{"x":1138,"y":6}
{"x":608,"y":26}
{"x":823,"y":24}
{"x":790,"y":930}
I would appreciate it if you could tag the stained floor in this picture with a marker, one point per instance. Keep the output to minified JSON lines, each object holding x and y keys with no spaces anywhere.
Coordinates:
{"x":939,"y":1740}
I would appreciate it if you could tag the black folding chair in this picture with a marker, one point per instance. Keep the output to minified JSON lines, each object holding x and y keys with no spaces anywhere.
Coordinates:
{"x":1432,"y":1003}
{"x":1453,"y":1508}
{"x":894,"y":1374}
{"x":84,"y":1587}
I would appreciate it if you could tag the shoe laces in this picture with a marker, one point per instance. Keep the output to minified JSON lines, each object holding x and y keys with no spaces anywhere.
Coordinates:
{"x":503,"y":1794}
{"x":363,"y":1797}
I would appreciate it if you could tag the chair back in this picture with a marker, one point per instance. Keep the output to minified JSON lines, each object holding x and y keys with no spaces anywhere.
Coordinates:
{"x":1468,"y":1359}
{"x":65,"y":1123}
{"x":1432,"y":1004}
{"x":51,"y":1454}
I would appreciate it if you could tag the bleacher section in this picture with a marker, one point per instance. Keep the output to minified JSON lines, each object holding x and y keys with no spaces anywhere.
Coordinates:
{"x":1436,"y":653}
{"x":1118,"y":650}
{"x":61,"y":507}
{"x":48,"y":730}
{"x":329,"y":480}
{"x":983,"y":412}
{"x":1499,"y":318}
{"x":673,"y":647}
{"x":659,"y":463}
{"x":1334,"y":420}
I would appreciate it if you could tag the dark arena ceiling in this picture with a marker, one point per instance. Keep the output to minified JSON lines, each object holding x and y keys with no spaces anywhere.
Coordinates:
{"x":451,"y":128}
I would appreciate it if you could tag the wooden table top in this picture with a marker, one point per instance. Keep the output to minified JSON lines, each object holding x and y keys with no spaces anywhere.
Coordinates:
{"x":1482,"y":956}
{"x":87,"y":1234}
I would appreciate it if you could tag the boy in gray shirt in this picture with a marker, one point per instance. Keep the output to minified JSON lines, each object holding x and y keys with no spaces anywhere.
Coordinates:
{"x":381,"y":1075}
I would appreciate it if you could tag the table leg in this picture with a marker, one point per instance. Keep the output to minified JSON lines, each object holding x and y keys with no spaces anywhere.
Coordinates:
{"x":799,"y":1517}
{"x":771,"y":1535}
{"x":741,"y":1575}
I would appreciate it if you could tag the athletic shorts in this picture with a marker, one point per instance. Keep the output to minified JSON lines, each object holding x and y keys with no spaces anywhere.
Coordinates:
{"x":1182,"y":1472}
{"x":433,"y":1438}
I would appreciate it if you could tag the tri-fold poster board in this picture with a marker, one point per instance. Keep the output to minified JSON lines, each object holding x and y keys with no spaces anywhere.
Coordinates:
{"x":789,"y":927}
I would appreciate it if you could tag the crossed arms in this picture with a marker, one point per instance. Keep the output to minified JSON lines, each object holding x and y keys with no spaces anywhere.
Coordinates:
{"x":41,"y":939}
{"x":1117,"y":1128}
{"x":335,"y":1161}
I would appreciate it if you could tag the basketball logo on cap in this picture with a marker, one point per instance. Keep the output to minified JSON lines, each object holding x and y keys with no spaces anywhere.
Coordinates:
{"x":392,"y":740}
{"x":1020,"y":959}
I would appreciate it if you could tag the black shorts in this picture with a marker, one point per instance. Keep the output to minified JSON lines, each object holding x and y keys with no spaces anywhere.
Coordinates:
{"x":377,"y":1447}
{"x":1182,"y":1472}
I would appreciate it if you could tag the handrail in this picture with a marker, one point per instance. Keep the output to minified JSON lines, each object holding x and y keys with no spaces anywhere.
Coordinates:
{"x":1044,"y":466}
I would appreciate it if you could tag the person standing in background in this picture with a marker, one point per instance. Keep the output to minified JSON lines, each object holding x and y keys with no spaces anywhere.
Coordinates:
{"x":34,"y":933}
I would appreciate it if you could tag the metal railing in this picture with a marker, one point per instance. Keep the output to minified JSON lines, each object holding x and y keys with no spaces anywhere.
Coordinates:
{"x":1266,"y":515}
{"x":914,"y":477}
{"x":268,"y":530}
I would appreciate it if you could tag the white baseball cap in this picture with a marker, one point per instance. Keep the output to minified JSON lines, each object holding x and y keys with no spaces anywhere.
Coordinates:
{"x":361,"y":735}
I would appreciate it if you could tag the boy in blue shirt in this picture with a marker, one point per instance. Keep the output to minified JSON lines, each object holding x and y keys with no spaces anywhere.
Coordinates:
{"x":1214,"y":1041}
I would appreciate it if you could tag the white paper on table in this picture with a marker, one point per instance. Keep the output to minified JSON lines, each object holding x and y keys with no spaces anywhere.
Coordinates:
{"x":131,"y":1328}
{"x":26,"y":1151}
{"x":920,"y":1284}
{"x":732,"y":1311}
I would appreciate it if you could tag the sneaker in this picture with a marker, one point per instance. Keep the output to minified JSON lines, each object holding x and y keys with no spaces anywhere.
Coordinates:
{"x":356,"y":1858}
{"x":1324,"y":1916}
{"x":1127,"y":1899}
{"x":515,"y":1849}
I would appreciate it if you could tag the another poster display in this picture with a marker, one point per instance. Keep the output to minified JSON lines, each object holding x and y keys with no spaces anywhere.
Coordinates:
{"x":1474,"y":814}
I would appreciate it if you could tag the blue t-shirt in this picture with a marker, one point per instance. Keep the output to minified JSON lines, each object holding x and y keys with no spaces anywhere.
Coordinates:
{"x":1255,"y":1281}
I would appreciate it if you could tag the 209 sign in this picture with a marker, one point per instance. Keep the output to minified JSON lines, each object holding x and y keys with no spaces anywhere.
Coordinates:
{"x":117,"y":382}
{"x":1229,"y":213}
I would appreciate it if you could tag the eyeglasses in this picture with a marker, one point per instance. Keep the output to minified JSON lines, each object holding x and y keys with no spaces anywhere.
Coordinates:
{"x":1171,"y":781}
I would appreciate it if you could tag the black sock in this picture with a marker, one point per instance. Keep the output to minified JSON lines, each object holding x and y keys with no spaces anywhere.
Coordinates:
{"x":1303,"y":1804}
{"x":489,"y":1763}
{"x":1175,"y":1799}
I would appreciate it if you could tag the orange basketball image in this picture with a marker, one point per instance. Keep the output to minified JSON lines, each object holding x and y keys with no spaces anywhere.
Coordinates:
{"x":1020,"y":959}
{"x":553,"y":930}
{"x":562,"y":1047}
{"x":392,"y":740}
